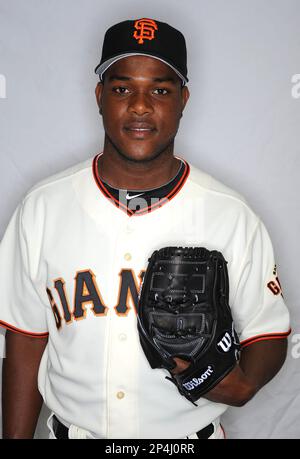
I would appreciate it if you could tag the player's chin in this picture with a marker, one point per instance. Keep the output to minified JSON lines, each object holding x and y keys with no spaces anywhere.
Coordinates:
{"x":146,"y":150}
{"x":140,"y":152}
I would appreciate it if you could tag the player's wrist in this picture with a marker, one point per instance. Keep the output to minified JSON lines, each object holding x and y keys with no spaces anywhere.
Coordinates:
{"x":235,"y":389}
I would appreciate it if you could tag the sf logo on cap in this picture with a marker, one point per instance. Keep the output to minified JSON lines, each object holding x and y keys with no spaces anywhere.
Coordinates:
{"x":145,"y":30}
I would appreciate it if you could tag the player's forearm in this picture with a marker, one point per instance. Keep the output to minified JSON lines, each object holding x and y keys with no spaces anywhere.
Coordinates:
{"x":21,"y":400}
{"x":259,"y":363}
{"x":235,"y":389}
{"x":19,"y":419}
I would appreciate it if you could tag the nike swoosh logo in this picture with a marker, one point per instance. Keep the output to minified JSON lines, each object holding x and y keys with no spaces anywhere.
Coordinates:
{"x":134,"y":196}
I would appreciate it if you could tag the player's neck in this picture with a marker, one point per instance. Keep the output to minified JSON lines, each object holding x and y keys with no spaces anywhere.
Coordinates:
{"x":122,"y":173}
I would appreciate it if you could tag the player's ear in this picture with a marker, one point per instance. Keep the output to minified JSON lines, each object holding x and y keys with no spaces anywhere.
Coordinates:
{"x":185,"y":94}
{"x":98,"y":92}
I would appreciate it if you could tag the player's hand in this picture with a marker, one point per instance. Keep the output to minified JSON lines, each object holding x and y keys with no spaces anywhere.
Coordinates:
{"x":181,"y":366}
{"x":234,"y":389}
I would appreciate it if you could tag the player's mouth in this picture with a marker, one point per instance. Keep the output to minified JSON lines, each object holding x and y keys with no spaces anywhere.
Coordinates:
{"x":139,"y":130}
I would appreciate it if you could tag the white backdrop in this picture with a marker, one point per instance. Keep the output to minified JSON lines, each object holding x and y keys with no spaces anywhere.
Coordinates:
{"x":241,"y":125}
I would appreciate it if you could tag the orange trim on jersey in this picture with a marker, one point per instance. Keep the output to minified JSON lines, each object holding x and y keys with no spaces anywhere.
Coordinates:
{"x":102,"y":187}
{"x":171,"y":195}
{"x":23,"y":332}
{"x":224,"y":433}
{"x":147,"y":209}
{"x":267,"y":336}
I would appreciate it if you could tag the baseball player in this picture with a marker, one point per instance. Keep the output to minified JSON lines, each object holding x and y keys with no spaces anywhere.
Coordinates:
{"x":74,"y":253}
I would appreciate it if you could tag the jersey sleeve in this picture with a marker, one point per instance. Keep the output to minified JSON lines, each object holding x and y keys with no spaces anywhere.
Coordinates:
{"x":21,"y":308}
{"x":258,"y":308}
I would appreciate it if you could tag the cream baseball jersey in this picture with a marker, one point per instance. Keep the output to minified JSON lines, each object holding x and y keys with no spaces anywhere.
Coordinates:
{"x":71,"y":262}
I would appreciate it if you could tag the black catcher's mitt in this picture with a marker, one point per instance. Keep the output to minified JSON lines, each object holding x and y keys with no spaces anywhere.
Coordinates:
{"x":183,"y":312}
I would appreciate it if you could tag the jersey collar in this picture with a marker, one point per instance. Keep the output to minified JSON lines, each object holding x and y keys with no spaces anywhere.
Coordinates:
{"x":145,"y":210}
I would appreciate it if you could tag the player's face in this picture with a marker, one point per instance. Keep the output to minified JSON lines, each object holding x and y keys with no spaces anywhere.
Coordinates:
{"x":141,"y":101}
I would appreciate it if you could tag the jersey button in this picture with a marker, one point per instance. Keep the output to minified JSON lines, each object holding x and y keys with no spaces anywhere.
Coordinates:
{"x":127,"y":256}
{"x":120,"y":395}
{"x":122,"y":337}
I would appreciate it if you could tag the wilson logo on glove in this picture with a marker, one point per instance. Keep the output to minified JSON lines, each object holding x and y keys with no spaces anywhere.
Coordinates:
{"x":195,"y":382}
{"x":225,"y":343}
{"x":183,"y":312}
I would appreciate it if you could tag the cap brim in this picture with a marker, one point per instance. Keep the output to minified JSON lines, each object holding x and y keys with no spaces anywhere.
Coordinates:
{"x":101,"y":68}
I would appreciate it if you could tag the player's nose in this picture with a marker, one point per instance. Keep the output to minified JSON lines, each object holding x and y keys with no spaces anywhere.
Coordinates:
{"x":140,"y":104}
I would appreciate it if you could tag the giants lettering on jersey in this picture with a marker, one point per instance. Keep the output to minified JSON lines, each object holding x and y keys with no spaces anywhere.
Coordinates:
{"x":274,"y":285}
{"x":87,"y":292}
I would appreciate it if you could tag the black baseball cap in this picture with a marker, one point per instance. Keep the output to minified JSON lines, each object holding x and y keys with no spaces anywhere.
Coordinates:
{"x":147,"y":37}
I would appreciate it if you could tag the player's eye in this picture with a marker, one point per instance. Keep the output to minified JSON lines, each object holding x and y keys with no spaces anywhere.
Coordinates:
{"x":121,"y":90}
{"x":161,"y":91}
